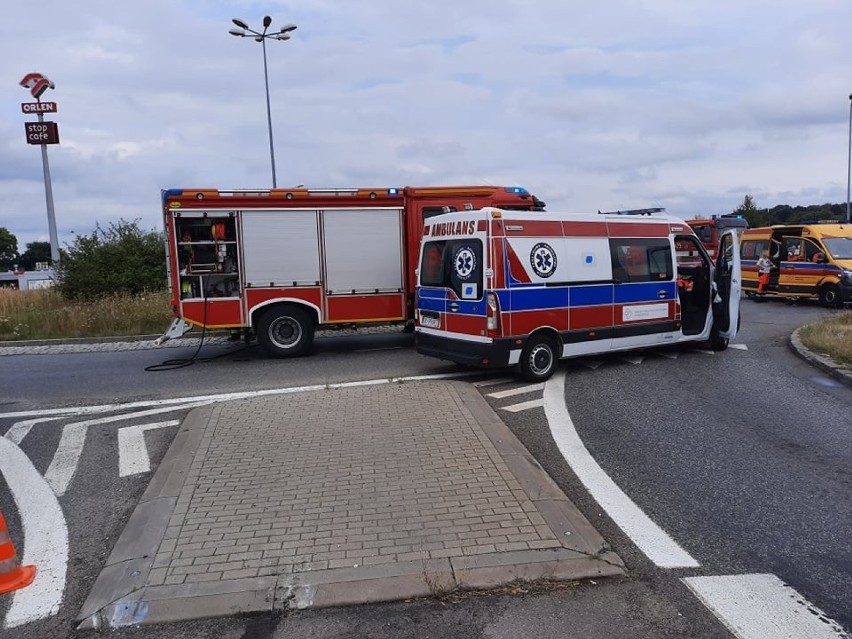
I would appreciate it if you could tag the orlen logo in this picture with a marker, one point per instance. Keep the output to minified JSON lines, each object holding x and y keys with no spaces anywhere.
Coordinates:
{"x":37,"y":84}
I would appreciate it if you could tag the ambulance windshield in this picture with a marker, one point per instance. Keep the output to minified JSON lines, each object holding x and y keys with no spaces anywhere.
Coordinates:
{"x":839,"y":247}
{"x":455,"y":264}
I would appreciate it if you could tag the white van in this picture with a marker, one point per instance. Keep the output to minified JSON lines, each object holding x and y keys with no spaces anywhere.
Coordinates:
{"x":508,"y":288}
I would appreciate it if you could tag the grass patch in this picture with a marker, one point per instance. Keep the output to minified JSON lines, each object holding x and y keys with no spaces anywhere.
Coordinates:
{"x":45,"y":314}
{"x":831,"y":336}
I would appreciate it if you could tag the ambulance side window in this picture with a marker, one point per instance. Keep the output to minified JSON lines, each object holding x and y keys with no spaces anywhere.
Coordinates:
{"x":641,"y":260}
{"x":751,"y":249}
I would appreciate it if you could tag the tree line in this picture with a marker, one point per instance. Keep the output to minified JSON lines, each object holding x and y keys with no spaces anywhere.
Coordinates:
{"x":786,"y":214}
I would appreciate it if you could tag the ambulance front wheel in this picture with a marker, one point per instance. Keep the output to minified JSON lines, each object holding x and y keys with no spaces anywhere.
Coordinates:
{"x":285,"y":331}
{"x":539,"y":358}
{"x":829,"y":296}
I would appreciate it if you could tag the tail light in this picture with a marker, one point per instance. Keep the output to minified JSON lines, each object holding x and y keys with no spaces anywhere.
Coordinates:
{"x":493,"y":312}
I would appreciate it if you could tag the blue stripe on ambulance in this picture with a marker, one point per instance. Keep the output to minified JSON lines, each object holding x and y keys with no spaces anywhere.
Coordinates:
{"x":530,"y":299}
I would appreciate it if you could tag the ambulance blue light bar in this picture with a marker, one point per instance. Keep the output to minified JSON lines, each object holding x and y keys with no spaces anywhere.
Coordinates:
{"x":517,"y":190}
{"x":393,"y":191}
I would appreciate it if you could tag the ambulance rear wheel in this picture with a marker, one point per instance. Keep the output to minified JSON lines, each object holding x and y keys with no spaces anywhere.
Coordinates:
{"x":539,"y":358}
{"x":286,"y":331}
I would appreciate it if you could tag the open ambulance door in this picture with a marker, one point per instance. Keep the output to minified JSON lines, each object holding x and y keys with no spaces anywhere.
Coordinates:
{"x":728,"y":282}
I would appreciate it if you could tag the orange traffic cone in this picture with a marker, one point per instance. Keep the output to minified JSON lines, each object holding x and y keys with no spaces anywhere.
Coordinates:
{"x":12,"y":575}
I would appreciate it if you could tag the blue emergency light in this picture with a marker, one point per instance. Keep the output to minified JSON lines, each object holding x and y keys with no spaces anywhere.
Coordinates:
{"x":393,"y":191}
{"x":517,"y":190}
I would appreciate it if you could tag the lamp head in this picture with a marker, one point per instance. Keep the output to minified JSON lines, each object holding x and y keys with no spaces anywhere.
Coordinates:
{"x":237,"y":32}
{"x":240,"y":23}
{"x":267,"y":20}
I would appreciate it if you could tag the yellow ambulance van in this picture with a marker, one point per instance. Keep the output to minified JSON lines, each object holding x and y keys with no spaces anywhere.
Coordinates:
{"x":808,"y":260}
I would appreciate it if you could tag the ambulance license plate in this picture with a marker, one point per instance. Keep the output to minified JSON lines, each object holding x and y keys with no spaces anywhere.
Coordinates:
{"x":430,"y":322}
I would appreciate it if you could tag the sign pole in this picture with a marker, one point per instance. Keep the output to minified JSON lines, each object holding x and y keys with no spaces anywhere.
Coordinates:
{"x":48,"y":194}
{"x":43,"y":133}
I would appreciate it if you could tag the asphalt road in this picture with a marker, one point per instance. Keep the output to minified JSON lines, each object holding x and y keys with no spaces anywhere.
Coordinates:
{"x":749,"y":476}
{"x":743,"y":457}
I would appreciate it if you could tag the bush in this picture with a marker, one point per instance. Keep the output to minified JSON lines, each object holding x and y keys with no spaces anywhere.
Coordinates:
{"x":121,"y":259}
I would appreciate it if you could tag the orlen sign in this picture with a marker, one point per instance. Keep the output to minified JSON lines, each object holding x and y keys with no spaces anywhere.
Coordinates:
{"x":38,"y":107}
{"x":42,"y":132}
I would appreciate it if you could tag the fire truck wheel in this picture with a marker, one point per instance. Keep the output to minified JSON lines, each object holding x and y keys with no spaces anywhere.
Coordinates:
{"x":286,"y":331}
{"x":539,"y":358}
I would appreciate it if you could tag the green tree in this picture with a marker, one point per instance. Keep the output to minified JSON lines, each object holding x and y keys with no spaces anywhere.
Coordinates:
{"x":119,"y":259}
{"x":8,"y":249}
{"x":36,"y":252}
{"x":748,"y":209}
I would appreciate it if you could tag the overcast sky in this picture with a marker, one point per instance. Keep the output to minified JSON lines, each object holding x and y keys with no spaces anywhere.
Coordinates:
{"x":686,"y":104}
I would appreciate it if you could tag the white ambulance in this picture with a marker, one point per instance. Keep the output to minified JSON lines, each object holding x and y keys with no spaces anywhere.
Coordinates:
{"x":501,"y":288}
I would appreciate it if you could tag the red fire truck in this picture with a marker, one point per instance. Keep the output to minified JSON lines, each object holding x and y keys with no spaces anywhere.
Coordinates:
{"x":710,"y":229}
{"x":280,"y":263}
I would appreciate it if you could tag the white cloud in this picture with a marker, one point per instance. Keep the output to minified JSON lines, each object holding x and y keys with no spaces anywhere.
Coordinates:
{"x":623,"y":104}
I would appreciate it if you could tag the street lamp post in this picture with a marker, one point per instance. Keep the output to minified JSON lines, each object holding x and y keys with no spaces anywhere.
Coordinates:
{"x":849,"y":164}
{"x":244,"y":30}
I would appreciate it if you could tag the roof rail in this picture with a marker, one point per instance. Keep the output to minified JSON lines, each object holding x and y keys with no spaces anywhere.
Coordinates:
{"x":634,"y":211}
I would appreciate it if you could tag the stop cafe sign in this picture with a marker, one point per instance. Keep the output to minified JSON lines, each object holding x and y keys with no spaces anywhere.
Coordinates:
{"x":42,"y":132}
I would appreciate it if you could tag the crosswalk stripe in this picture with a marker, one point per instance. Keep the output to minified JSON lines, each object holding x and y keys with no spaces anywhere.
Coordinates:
{"x":516,"y":408}
{"x":517,"y":391}
{"x":632,"y":359}
{"x":132,"y":451}
{"x":669,"y":354}
{"x":63,"y":466}
{"x":741,"y":347}
{"x":761,"y":605}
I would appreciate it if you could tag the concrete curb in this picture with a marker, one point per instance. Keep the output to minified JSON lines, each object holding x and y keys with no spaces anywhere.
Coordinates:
{"x":121,"y":595}
{"x":822,"y":362}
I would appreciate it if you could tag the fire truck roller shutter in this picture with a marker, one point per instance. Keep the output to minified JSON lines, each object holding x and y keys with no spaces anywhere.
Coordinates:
{"x":281,"y":247}
{"x":363,"y":250}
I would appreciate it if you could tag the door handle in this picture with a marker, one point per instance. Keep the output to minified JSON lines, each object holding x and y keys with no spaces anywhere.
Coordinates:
{"x":454,"y":306}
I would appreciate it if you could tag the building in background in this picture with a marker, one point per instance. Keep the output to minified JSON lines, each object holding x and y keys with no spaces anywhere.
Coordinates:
{"x":42,"y":277}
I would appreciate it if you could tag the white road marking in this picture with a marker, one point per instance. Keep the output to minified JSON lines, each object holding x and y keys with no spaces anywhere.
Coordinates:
{"x":132,"y":451}
{"x":67,"y":456}
{"x":648,"y":536}
{"x":494,"y":382}
{"x":19,"y":430}
{"x":761,"y":605}
{"x":594,"y":364}
{"x":705,"y":351}
{"x":523,"y":390}
{"x":632,"y":359}
{"x":669,"y":354}
{"x":741,"y":347}
{"x":516,"y":408}
{"x":45,"y":537}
